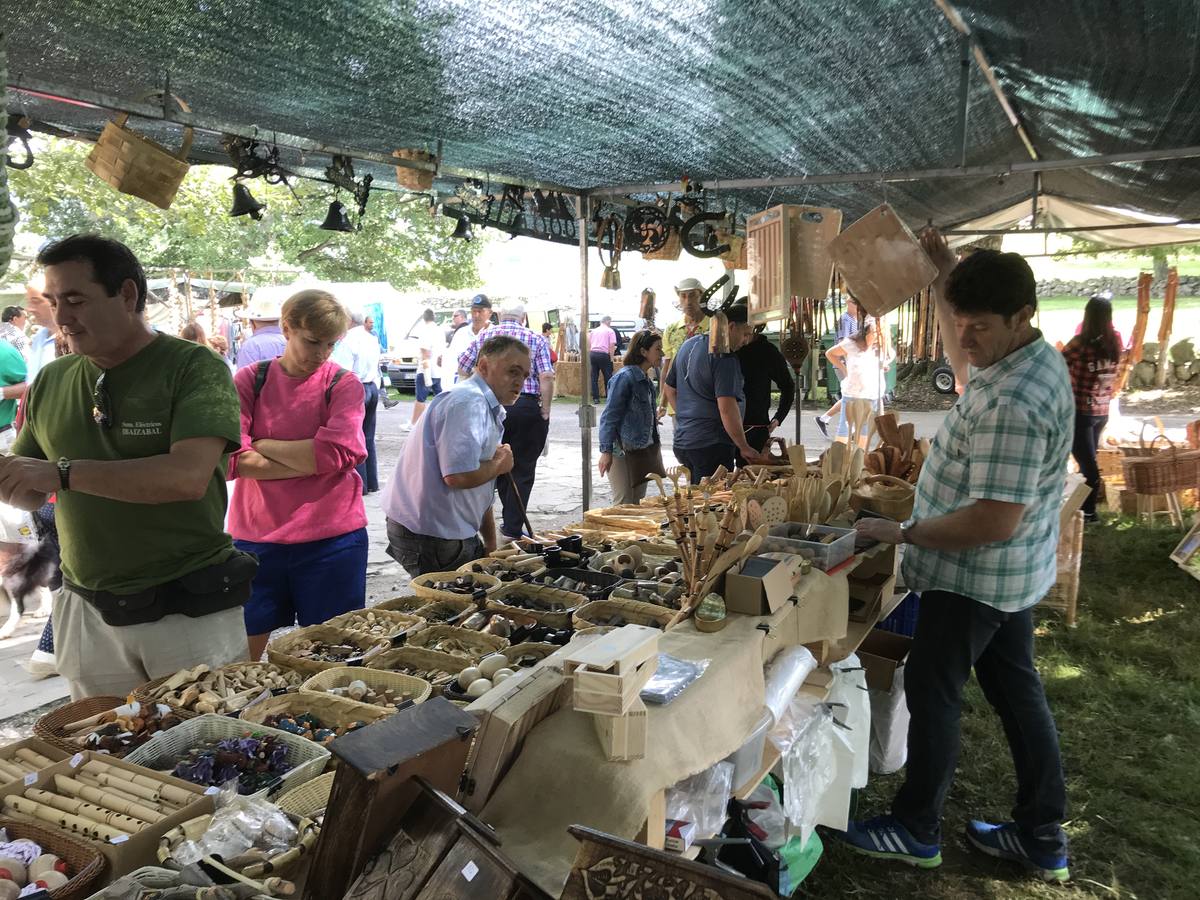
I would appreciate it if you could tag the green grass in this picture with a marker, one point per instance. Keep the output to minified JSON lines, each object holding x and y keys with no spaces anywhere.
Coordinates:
{"x":1125,"y":689}
{"x":1060,"y":302}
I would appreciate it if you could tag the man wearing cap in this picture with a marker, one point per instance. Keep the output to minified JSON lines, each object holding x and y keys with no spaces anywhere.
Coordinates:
{"x":527,"y":421}
{"x":461,"y":340}
{"x":695,"y":319}
{"x":268,"y":341}
{"x":708,"y":395}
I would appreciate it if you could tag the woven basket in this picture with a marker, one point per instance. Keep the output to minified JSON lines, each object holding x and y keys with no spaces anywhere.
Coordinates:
{"x":633,"y":611}
{"x":85,"y":862}
{"x":194,"y":830}
{"x":1161,"y":471}
{"x":670,"y":250}
{"x":307,"y":760}
{"x":279,"y":650}
{"x":735,"y":257}
{"x":421,"y":585}
{"x":414,"y":179}
{"x":479,"y":645}
{"x":146,"y":692}
{"x":396,"y":624}
{"x":51,"y":727}
{"x":516,"y":651}
{"x":333,"y":712}
{"x":446,"y":612}
{"x":422,"y":660}
{"x":415,"y":689}
{"x":408,"y":604}
{"x":309,"y":799}
{"x":886,"y":495}
{"x":134,"y":164}
{"x":562,"y":619}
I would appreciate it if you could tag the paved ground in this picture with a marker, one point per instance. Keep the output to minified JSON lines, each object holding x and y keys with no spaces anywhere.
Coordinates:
{"x":556,"y":500}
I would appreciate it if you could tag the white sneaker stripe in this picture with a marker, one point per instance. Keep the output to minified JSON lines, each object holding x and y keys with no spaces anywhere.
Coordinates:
{"x":896,"y":844}
{"x":879,"y":845}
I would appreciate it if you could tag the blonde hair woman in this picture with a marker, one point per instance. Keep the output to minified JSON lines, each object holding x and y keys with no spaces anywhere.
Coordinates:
{"x":297,"y":504}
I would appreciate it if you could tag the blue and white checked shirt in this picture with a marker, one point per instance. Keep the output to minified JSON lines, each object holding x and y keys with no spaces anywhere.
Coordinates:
{"x":1007,"y":438}
{"x":539,"y":352}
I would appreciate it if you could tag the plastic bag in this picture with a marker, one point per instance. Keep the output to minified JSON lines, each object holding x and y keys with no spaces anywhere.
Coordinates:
{"x":672,"y":677}
{"x":889,"y":727}
{"x":805,"y":739}
{"x":239,"y":824}
{"x":852,"y":708}
{"x":701,"y":798}
{"x":787,"y":672}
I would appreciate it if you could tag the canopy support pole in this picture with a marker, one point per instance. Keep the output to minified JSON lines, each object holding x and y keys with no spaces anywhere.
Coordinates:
{"x":964,"y":99}
{"x":586,"y":411}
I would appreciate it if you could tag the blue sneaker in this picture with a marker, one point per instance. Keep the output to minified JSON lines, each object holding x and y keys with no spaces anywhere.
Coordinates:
{"x":883,"y":837}
{"x":1005,"y":842}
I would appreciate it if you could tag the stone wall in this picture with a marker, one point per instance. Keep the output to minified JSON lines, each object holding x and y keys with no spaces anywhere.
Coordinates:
{"x":1121,"y":286}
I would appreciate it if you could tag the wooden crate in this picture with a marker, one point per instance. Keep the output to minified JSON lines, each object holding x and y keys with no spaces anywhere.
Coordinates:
{"x":1064,"y":596}
{"x":623,"y":737}
{"x":607,"y":694}
{"x":506,"y":714}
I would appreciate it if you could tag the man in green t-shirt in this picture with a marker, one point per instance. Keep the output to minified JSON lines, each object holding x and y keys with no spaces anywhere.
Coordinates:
{"x":131,"y":432}
{"x":12,"y":377}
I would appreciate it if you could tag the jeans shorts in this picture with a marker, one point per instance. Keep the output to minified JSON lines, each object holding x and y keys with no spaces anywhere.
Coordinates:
{"x":423,"y":389}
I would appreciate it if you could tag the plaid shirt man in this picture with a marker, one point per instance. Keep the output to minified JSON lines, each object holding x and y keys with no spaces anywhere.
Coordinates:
{"x":1006,"y":439}
{"x":539,"y":352}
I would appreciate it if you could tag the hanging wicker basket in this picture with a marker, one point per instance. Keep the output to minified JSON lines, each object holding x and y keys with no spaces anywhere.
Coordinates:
{"x":670,"y":250}
{"x":414,"y":179}
{"x":136,"y":165}
{"x":735,"y":257}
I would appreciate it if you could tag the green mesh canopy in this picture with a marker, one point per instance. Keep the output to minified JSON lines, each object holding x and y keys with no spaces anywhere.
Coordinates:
{"x":588,"y":94}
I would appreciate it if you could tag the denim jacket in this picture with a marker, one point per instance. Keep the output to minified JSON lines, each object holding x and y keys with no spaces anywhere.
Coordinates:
{"x":628,"y":421}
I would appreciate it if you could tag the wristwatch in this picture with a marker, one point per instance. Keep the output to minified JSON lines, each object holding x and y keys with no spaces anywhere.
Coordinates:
{"x":905,"y":527}
{"x":64,"y":473}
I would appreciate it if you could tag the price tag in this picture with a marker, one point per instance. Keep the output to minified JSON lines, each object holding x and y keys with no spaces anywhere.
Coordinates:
{"x":212,"y":791}
{"x":30,"y":778}
{"x":76,"y":760}
{"x":470,"y":870}
{"x":119,"y":839}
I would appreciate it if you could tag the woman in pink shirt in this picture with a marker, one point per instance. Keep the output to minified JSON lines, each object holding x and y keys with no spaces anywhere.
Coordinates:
{"x":297,"y":504}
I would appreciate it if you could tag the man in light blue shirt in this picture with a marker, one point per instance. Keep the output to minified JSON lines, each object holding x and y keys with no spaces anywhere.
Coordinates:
{"x":440,"y":498}
{"x":263,"y":314}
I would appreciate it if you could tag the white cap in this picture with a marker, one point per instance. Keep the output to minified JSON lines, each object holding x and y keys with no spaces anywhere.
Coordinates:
{"x":267,"y":303}
{"x":512,"y":309}
{"x":689,"y":284}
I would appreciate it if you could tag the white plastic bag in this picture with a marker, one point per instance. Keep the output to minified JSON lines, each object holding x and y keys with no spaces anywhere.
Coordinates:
{"x":701,"y":798}
{"x":805,"y":739}
{"x":889,"y":727}
{"x":852,"y":708}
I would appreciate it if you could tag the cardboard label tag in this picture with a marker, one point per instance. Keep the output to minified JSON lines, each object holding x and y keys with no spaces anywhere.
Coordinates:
{"x":76,"y":760}
{"x":119,"y":839}
{"x":30,"y":778}
{"x":212,"y":791}
{"x":470,"y":870}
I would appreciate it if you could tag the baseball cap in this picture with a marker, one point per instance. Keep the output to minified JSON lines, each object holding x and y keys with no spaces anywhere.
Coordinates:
{"x":481,"y":300}
{"x":512,"y":309}
{"x":689,"y":284}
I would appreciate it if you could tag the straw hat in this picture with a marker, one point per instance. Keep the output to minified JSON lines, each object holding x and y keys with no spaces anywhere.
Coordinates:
{"x":266,"y":305}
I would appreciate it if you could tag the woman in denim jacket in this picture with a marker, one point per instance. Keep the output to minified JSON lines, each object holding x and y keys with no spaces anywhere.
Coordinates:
{"x":629,"y":445}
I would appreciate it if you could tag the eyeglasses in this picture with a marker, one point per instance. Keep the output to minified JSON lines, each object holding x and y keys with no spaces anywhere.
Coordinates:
{"x":101,"y":403}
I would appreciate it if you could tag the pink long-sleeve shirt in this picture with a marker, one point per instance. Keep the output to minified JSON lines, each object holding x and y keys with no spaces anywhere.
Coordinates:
{"x":325,"y":504}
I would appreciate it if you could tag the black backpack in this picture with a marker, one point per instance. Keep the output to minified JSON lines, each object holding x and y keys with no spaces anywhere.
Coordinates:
{"x":264,"y":366}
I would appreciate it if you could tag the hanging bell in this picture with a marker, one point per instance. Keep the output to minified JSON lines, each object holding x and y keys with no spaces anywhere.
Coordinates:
{"x":462,"y":231}
{"x":606,"y":278}
{"x":336,"y":219}
{"x":244,"y":203}
{"x":718,"y":333}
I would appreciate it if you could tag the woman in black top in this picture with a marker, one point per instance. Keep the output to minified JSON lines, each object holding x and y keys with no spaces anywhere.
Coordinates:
{"x":762,"y":365}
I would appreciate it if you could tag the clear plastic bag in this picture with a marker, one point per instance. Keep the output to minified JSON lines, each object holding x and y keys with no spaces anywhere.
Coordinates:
{"x":240,"y":824}
{"x":672,"y":677}
{"x":805,"y":739}
{"x":853,"y":710}
{"x":787,"y":672}
{"x":701,"y":798}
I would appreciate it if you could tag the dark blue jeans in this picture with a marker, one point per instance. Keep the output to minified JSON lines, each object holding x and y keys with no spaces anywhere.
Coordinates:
{"x":368,"y":469}
{"x":954,"y":634}
{"x":704,"y":461}
{"x":1087,"y":439}
{"x":602,"y":369}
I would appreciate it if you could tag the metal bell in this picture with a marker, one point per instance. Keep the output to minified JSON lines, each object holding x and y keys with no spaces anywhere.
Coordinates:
{"x":336,"y":219}
{"x":244,"y":203}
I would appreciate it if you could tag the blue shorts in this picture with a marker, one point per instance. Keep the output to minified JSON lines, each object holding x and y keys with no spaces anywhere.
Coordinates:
{"x":423,"y":391}
{"x":306,"y":583}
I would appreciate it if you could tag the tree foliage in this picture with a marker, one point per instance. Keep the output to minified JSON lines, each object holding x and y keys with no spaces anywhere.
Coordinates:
{"x":399,"y":241}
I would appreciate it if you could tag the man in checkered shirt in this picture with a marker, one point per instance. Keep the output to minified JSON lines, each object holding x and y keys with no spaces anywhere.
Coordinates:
{"x":982,"y":552}
{"x":527,"y":422}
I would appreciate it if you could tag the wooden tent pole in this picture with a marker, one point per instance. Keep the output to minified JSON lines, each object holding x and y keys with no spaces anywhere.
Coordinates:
{"x":1139,"y":331}
{"x":1164,"y":327}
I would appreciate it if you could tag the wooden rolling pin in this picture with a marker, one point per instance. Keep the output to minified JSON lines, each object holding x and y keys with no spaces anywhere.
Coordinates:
{"x":159,"y":790}
{"x":87,"y":811}
{"x":62,"y":819}
{"x":112,"y":801}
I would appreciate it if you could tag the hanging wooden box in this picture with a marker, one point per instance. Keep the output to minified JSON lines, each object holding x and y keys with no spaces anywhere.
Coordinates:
{"x":623,"y":737}
{"x":881,"y":261}
{"x":788,"y":256}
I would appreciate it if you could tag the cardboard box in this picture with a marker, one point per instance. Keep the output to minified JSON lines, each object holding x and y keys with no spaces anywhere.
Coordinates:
{"x":881,"y":654}
{"x":679,"y":835}
{"x":8,"y":753}
{"x":759,"y":587}
{"x":140,"y":849}
{"x":824,"y":615}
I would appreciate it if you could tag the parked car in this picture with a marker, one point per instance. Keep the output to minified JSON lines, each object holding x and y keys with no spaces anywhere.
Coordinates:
{"x":625,"y":329}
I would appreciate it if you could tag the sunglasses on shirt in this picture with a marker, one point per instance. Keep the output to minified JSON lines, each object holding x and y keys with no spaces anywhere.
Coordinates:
{"x":101,"y":403}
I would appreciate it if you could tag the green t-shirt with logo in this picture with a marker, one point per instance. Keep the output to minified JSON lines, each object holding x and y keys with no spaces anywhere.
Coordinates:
{"x":169,"y":391}
{"x":12,"y":371}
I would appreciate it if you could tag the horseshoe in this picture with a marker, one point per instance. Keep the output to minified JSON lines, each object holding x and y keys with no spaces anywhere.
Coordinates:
{"x":689,"y":243}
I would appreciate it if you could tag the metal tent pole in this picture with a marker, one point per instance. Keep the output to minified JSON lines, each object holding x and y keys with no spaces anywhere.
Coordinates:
{"x":586,"y":411}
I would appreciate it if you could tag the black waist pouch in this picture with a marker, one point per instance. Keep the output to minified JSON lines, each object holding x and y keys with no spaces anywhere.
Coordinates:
{"x":200,"y":593}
